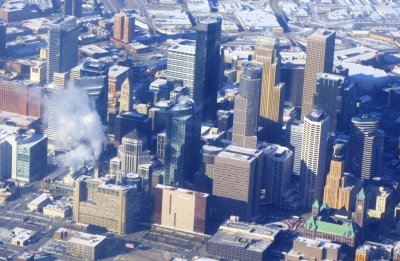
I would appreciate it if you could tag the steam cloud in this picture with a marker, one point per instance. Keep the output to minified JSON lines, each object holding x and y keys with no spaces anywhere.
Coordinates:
{"x":77,"y":127}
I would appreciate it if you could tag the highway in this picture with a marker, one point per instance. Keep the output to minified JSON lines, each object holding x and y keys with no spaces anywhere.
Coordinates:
{"x":279,"y":15}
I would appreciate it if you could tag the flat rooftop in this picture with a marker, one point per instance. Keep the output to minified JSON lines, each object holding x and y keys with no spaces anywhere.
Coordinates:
{"x":86,"y":239}
{"x":322,"y":33}
{"x":185,"y":49}
{"x":317,"y":243}
{"x":117,"y":70}
{"x":181,"y":190}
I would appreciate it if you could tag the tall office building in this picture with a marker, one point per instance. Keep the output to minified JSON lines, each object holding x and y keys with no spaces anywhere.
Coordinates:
{"x":126,"y":99}
{"x":182,"y":143}
{"x":29,"y":156}
{"x":313,"y":157}
{"x":320,"y":55}
{"x":62,"y":49}
{"x":96,"y":88}
{"x":181,"y":66}
{"x":236,"y":182}
{"x":133,"y":151}
{"x":247,"y":106}
{"x":272,"y":91}
{"x":329,"y":97}
{"x":295,"y":134}
{"x":366,"y":146}
{"x":207,"y":64}
{"x":124,"y":27}
{"x":3,"y":40}
{"x":278,"y":167}
{"x":99,"y":202}
{"x":340,"y":191}
{"x":73,"y":7}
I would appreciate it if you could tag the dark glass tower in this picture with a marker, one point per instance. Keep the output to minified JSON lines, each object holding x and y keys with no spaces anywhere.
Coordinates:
{"x":207,"y":64}
{"x":3,"y":29}
{"x":73,"y":7}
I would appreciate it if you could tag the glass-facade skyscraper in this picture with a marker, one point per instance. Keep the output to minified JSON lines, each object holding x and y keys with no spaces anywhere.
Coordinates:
{"x":181,"y":143}
{"x":207,"y":64}
{"x":366,"y":146}
{"x":62,"y":49}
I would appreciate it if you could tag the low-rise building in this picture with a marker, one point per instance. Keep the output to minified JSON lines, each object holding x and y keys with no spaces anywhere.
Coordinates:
{"x":57,"y":210}
{"x":313,"y":249}
{"x":370,"y":251}
{"x":22,"y":236}
{"x":82,"y":245}
{"x":236,"y":240}
{"x":345,"y":233}
{"x":39,"y":202}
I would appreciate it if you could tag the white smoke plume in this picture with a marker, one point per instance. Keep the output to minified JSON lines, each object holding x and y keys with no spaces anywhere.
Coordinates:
{"x":77,"y":126}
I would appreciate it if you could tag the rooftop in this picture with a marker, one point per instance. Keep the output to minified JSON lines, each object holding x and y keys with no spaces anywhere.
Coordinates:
{"x":86,"y":239}
{"x":117,"y":70}
{"x":40,"y":199}
{"x":322,"y":33}
{"x":278,"y":153}
{"x":181,"y":48}
{"x":181,"y":190}
{"x":317,"y":243}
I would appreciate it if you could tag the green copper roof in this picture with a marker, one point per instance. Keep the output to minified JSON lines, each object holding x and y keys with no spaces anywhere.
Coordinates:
{"x":316,"y":204}
{"x":361,"y":194}
{"x":347,"y":229}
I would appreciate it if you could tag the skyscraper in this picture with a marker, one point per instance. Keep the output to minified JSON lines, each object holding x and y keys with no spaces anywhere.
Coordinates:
{"x":330,"y":98}
{"x":340,"y":191}
{"x":272,"y":92}
{"x":181,"y":65}
{"x":207,"y":64}
{"x":133,"y":151}
{"x":295,"y":133}
{"x":236,"y":182}
{"x":73,"y":7}
{"x":3,"y":30}
{"x":126,"y":99}
{"x":366,"y":146}
{"x":124,"y":27}
{"x":278,"y":167}
{"x":182,"y":143}
{"x":313,"y":157}
{"x":62,"y":47}
{"x":247,"y":106}
{"x":320,"y":54}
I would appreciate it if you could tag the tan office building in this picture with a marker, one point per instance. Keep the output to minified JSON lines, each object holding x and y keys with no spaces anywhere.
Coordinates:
{"x":340,"y":191}
{"x":236,"y":178}
{"x":272,"y":92}
{"x":319,"y":59}
{"x":124,"y":27}
{"x":126,"y":100}
{"x":180,"y":209}
{"x":99,"y":203}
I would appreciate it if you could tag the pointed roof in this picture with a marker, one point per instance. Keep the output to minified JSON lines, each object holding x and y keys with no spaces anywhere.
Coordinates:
{"x":135,"y":135}
{"x":361,"y":194}
{"x":316,"y":204}
{"x":311,"y":223}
